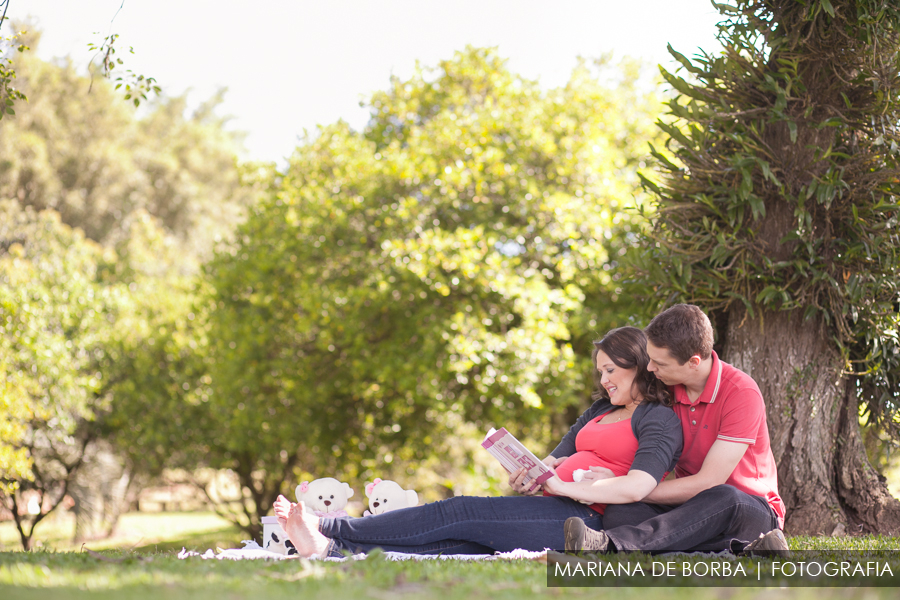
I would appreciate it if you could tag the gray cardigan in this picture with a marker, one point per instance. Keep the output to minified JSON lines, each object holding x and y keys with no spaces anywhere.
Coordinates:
{"x":656,"y":427}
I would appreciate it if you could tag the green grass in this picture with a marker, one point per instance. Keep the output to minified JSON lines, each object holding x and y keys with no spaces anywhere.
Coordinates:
{"x":145,"y":532}
{"x":860,"y":543}
{"x":149,"y":569}
{"x":79,"y":575}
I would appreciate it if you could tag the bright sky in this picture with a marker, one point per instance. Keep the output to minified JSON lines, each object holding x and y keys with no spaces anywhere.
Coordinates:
{"x":290,"y":65}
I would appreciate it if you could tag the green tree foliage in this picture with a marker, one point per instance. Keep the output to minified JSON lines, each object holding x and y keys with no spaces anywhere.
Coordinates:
{"x":55,"y":320}
{"x":90,"y":339}
{"x":79,"y":148}
{"x":135,"y":87}
{"x":154,"y":355}
{"x":9,"y":94}
{"x":452,"y":260}
{"x":88,"y":330}
{"x":778,"y":211}
{"x":15,"y":410}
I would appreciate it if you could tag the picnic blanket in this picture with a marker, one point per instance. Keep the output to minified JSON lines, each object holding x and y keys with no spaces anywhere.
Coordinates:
{"x":253,"y":551}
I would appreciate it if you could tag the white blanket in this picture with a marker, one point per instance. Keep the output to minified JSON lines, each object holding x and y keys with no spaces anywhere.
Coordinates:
{"x":252,"y":550}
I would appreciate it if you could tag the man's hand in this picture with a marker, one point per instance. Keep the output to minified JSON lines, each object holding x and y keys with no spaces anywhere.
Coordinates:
{"x":553,"y":462}
{"x":598,"y":473}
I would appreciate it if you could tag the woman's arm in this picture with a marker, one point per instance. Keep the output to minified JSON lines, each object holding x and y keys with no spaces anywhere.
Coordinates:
{"x":632,"y":487}
{"x":658,"y":432}
{"x":517,"y":478}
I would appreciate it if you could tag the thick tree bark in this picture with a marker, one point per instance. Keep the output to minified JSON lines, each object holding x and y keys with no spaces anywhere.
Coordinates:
{"x":862,"y":490}
{"x":824,"y":476}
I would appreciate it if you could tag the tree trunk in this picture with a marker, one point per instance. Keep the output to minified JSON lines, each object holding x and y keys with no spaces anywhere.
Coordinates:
{"x":27,"y":541}
{"x":99,"y":491}
{"x":824,"y":476}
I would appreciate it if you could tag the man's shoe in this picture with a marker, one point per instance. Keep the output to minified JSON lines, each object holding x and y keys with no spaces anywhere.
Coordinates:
{"x":769,"y":545}
{"x":581,"y":537}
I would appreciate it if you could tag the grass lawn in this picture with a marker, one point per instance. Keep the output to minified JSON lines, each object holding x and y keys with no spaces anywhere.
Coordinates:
{"x":143,"y":532}
{"x":145,"y":566}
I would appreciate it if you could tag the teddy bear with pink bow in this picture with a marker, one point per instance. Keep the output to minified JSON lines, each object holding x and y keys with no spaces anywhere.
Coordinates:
{"x":385,"y":496}
{"x":325,"y":497}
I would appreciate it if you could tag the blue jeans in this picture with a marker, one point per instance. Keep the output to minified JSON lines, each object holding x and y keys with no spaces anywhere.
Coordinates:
{"x":461,"y":525}
{"x":720,"y":518}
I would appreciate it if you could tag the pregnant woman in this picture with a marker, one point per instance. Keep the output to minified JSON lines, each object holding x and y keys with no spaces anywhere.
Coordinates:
{"x":630,"y":435}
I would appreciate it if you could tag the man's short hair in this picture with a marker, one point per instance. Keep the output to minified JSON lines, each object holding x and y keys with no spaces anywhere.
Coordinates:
{"x":684,"y":330}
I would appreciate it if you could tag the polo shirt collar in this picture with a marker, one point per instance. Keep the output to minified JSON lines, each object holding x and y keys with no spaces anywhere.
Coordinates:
{"x":710,"y":390}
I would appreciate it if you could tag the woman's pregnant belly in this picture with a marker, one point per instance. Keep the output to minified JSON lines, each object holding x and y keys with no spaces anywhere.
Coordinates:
{"x":585,"y":460}
{"x":612,"y":446}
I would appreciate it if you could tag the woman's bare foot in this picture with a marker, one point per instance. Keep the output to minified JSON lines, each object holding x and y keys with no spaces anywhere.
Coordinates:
{"x":282,"y":508}
{"x":301,"y":527}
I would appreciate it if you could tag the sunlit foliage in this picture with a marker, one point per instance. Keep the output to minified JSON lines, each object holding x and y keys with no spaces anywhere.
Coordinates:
{"x":79,"y":148}
{"x":9,"y":93}
{"x":106,"y":213}
{"x":453,"y":259}
{"x":55,"y":317}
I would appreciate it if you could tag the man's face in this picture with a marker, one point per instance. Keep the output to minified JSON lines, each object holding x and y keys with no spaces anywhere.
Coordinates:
{"x":666,"y":367}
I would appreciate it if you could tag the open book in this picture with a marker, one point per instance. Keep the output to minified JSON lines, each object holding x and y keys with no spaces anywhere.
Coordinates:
{"x":513,"y":455}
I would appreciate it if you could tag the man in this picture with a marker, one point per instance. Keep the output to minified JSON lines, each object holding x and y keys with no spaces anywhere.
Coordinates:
{"x":725,"y":493}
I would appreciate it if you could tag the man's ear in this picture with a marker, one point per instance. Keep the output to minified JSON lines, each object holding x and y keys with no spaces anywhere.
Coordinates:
{"x":695,"y":361}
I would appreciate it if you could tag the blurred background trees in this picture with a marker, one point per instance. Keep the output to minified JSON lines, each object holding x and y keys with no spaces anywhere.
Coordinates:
{"x":393,"y":293}
{"x":56,"y":317}
{"x":107,"y":214}
{"x":424,"y":273}
{"x":76,"y":147}
{"x":393,"y":289}
{"x":374,"y":306}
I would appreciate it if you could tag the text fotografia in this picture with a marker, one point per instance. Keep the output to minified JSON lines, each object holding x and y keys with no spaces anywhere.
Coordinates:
{"x":724,"y":569}
{"x":833,"y":570}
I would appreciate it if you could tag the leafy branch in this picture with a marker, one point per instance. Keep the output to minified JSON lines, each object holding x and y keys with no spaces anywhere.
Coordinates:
{"x":8,"y":93}
{"x":137,"y":87}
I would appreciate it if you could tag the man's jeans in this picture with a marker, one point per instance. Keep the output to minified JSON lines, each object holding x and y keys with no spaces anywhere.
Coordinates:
{"x":461,"y":525}
{"x":720,"y":518}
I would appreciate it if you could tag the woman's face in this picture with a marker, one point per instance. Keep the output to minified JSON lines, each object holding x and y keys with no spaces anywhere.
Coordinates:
{"x":618,"y":382}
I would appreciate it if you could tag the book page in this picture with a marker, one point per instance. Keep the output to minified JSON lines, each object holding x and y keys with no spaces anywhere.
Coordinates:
{"x":513,"y":455}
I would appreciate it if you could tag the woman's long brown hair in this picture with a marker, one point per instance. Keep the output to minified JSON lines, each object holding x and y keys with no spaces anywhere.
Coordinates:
{"x":627,"y":348}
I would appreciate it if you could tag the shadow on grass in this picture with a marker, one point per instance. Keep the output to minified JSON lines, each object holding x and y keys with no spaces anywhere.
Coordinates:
{"x":226,"y":537}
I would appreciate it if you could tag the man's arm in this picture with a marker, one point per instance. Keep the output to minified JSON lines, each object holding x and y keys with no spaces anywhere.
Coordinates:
{"x":717,"y":467}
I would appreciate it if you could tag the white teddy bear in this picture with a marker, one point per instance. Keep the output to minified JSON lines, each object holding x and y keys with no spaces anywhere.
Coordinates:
{"x":385,"y":496}
{"x":325,"y":497}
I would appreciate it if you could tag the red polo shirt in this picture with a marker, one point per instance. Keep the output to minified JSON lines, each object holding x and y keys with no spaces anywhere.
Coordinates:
{"x":730,"y":408}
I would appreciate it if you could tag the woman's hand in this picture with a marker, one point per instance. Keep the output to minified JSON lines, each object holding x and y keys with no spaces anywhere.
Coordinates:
{"x":556,"y":486}
{"x":518,"y":483}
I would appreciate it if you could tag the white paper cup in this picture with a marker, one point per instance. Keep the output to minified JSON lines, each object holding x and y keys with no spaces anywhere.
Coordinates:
{"x":275,"y":539}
